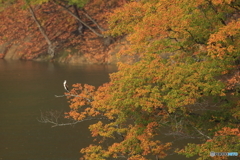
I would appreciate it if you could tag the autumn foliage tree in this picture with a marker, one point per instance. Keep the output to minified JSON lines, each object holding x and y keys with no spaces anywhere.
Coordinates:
{"x":187,"y":79}
{"x":189,"y":63}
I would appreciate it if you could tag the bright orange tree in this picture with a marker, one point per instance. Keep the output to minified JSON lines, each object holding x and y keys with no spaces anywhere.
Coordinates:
{"x":189,"y":56}
{"x":189,"y":61}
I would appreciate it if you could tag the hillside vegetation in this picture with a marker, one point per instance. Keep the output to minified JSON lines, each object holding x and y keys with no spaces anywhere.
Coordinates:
{"x":187,"y":78}
{"x":49,"y":29}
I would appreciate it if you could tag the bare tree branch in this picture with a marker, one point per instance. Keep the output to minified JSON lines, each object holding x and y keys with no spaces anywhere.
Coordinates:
{"x":72,"y":95}
{"x":54,"y":117}
{"x":201,"y":133}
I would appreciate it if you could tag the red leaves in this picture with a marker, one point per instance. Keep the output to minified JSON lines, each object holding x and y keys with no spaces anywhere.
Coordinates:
{"x":18,"y":27}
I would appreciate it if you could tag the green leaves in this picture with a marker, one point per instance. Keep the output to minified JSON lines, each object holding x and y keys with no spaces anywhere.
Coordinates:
{"x":78,"y":3}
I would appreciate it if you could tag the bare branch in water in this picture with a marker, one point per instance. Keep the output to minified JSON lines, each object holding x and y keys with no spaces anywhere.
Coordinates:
{"x":200,"y":132}
{"x":54,"y":118}
{"x":72,"y":95}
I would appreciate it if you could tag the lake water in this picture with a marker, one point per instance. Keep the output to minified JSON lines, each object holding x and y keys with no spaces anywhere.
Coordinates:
{"x":26,"y":90}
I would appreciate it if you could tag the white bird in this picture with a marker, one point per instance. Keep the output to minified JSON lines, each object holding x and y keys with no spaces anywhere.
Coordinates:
{"x":65,"y":85}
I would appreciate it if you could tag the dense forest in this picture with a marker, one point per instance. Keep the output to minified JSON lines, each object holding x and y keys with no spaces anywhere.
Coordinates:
{"x":186,"y":78}
{"x":49,"y":29}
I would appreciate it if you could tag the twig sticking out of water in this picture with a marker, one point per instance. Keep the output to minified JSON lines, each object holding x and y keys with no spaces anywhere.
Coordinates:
{"x":53,"y":117}
{"x":72,"y":95}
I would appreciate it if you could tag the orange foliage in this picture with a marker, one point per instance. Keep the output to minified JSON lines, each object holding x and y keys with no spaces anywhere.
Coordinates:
{"x":228,"y":131}
{"x":222,"y":1}
{"x":83,"y":95}
{"x":234,"y":82}
{"x":218,"y":43}
{"x":200,"y":45}
{"x":183,"y":47}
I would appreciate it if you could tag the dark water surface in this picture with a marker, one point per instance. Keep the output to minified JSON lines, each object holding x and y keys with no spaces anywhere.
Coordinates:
{"x":26,"y":89}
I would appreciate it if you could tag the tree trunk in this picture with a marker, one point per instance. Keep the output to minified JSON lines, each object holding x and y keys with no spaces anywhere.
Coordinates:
{"x":90,"y":18}
{"x":51,"y":47}
{"x":75,"y":16}
{"x":80,"y":26}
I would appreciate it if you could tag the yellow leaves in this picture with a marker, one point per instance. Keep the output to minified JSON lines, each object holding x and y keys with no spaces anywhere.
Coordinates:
{"x":93,"y":152}
{"x":105,"y":130}
{"x":230,"y":48}
{"x":225,"y":139}
{"x":95,"y":128}
{"x":111,"y":113}
{"x":219,"y":43}
{"x":149,"y":146}
{"x":121,"y":17}
{"x":146,"y":22}
{"x":137,"y":157}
